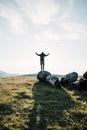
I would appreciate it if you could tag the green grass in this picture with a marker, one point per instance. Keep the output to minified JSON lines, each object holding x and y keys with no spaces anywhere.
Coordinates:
{"x":27,"y":104}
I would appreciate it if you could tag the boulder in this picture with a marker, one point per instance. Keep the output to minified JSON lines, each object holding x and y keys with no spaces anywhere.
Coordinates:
{"x":74,"y":85}
{"x":85,"y":75}
{"x":42,"y":75}
{"x":47,"y":77}
{"x":69,"y":78}
{"x":53,"y":80}
{"x":83,"y":84}
{"x":79,"y":85}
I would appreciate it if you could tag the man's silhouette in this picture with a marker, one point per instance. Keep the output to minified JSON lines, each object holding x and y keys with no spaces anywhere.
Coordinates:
{"x":42,"y":55}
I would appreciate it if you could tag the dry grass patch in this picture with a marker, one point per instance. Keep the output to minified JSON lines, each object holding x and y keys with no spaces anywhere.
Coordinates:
{"x":26,"y":104}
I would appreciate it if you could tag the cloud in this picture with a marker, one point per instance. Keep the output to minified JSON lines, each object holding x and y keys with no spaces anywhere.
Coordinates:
{"x":23,"y":15}
{"x":40,"y":11}
{"x":45,"y":11}
{"x":13,"y":18}
{"x":74,"y":30}
{"x":64,"y":31}
{"x":47,"y":14}
{"x":63,"y":27}
{"x":66,"y":10}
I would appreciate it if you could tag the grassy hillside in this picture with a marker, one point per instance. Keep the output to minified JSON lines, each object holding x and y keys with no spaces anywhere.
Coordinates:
{"x":27,"y":104}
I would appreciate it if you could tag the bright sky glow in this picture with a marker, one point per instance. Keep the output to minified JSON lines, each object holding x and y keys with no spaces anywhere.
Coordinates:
{"x":58,"y":27}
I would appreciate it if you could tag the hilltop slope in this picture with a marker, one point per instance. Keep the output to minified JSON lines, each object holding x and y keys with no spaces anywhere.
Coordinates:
{"x":27,"y":104}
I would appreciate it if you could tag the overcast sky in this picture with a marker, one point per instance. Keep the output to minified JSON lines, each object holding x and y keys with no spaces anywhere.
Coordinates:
{"x":58,"y":27}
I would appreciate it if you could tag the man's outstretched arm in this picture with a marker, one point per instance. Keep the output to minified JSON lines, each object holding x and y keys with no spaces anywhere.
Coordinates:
{"x":37,"y":53}
{"x":47,"y":54}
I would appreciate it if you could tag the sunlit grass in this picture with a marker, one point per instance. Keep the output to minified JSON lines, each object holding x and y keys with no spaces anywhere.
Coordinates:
{"x":26,"y":104}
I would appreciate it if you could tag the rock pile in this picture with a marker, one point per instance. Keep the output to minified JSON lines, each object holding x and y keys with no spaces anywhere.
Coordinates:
{"x":47,"y":77}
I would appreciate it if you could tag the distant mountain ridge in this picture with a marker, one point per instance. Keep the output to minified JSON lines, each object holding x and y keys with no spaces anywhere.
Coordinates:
{"x":5,"y":74}
{"x":34,"y":75}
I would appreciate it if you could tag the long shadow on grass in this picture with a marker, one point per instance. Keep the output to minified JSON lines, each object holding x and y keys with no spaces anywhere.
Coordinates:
{"x":49,"y":106}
